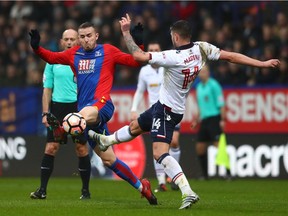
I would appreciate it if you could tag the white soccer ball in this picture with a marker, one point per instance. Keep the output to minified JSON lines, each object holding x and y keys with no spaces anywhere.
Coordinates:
{"x":74,"y":123}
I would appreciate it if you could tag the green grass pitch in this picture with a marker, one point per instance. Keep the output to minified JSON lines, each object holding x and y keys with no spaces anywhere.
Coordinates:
{"x":113,"y":198}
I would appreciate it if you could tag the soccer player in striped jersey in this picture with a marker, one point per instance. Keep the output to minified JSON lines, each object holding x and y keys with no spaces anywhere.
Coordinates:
{"x":93,"y":66}
{"x":150,"y":80}
{"x":182,"y":66}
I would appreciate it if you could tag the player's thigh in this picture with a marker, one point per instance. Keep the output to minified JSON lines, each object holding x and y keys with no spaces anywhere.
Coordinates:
{"x":52,"y":148}
{"x":135,"y":128}
{"x":175,"y":139}
{"x":81,"y":149}
{"x":60,"y":110}
{"x":159,"y":148}
{"x":163,"y":123}
{"x":215,"y":129}
{"x":90,"y":114}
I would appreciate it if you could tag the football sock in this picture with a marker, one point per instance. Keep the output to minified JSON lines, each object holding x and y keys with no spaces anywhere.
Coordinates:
{"x":121,"y":135}
{"x":174,"y":171}
{"x":204,"y":164}
{"x":124,"y":172}
{"x":160,"y":174}
{"x":47,"y":166}
{"x":84,"y":166}
{"x":175,"y":153}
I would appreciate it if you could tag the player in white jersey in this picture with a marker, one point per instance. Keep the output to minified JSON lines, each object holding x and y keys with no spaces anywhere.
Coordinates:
{"x":150,"y":80}
{"x":182,"y":65}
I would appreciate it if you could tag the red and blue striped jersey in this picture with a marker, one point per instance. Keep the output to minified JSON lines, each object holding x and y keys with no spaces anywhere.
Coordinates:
{"x":93,"y":69}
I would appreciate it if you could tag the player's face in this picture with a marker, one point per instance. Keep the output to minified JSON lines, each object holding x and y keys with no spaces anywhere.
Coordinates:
{"x":69,"y":39}
{"x":88,"y":38}
{"x":155,"y":47}
{"x":204,"y":74}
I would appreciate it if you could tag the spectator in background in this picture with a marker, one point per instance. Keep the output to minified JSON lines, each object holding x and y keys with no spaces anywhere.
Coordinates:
{"x":236,"y":75}
{"x":229,"y":17}
{"x":13,"y":76}
{"x":282,"y":78}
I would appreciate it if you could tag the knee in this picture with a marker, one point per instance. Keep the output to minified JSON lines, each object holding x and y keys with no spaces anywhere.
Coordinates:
{"x":134,"y":128}
{"x":108,"y":158}
{"x":201,"y":148}
{"x":81,"y":150}
{"x":174,"y":143}
{"x":51,"y":148}
{"x":108,"y":163}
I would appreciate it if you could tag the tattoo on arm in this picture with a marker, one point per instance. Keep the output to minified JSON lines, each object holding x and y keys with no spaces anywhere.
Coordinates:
{"x":131,"y":45}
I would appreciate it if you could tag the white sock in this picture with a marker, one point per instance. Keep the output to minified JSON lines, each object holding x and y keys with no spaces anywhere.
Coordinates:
{"x":174,"y":171}
{"x":121,"y":135}
{"x":160,"y":174}
{"x":175,"y":153}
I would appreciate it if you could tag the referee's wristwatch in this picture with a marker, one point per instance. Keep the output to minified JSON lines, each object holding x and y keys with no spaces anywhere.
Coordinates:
{"x":44,"y":114}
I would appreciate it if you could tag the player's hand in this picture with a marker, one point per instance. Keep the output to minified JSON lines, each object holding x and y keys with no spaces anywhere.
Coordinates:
{"x":272,"y":63}
{"x":194,"y":124}
{"x":137,"y":34}
{"x":44,"y":121}
{"x":34,"y":38}
{"x":133,"y":115}
{"x":125,"y":23}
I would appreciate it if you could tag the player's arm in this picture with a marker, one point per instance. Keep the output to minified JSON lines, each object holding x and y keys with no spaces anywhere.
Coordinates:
{"x":46,"y":100}
{"x":47,"y":55}
{"x":239,"y":58}
{"x":138,"y":54}
{"x":54,"y":57}
{"x":138,"y":96}
{"x":195,"y":117}
{"x":48,"y":82}
{"x":122,"y":58}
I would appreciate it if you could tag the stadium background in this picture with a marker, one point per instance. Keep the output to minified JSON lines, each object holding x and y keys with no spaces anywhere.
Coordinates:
{"x":257,"y":99}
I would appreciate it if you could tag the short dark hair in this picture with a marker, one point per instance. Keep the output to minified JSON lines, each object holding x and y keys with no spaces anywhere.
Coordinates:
{"x":183,"y":28}
{"x":86,"y":25}
{"x":154,"y":42}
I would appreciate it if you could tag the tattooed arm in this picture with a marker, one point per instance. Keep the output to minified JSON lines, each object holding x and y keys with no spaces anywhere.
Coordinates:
{"x":138,"y":54}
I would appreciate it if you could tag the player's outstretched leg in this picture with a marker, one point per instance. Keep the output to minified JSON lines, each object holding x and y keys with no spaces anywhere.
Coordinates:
{"x":100,"y":139}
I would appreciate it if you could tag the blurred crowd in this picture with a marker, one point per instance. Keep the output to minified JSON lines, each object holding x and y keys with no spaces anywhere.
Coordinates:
{"x":258,"y":29}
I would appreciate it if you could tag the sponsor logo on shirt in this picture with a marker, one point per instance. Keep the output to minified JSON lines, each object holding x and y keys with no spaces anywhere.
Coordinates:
{"x":86,"y":66}
{"x":154,"y":85}
{"x":98,"y":53}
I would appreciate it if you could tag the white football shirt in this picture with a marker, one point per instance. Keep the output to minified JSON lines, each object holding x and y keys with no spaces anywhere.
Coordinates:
{"x":150,"y":79}
{"x":181,"y":68}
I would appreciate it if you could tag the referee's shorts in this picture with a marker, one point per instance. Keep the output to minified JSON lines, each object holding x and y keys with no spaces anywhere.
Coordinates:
{"x":210,"y":129}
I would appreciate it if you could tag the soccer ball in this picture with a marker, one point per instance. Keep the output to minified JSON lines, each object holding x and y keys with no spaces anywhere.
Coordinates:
{"x":74,"y":123}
